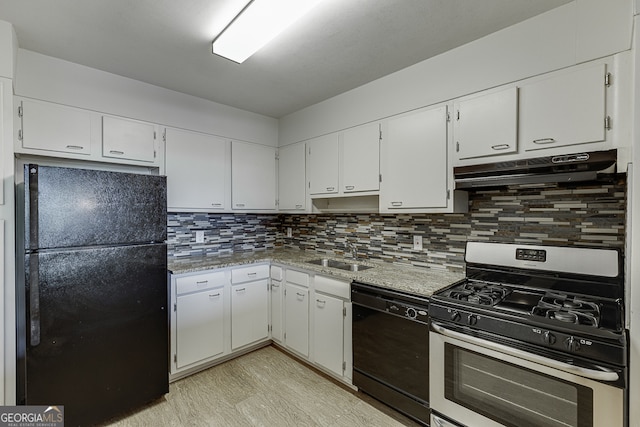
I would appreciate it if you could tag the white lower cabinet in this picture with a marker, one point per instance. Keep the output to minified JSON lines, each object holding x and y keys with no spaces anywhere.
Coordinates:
{"x":198,"y":318}
{"x":276,"y":313}
{"x":220,"y":314}
{"x":249,"y":313}
{"x":249,"y":305}
{"x":296,"y":307}
{"x":331,"y":331}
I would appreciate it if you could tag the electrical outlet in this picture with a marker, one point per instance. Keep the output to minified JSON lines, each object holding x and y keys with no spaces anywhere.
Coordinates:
{"x":417,"y":243}
{"x":289,"y":232}
{"x":199,"y":236}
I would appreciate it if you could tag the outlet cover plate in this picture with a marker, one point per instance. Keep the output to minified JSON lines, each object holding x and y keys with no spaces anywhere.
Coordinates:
{"x":417,"y":243}
{"x":199,"y":236}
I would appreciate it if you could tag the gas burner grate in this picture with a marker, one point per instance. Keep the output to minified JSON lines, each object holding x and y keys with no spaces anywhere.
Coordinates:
{"x":482,"y":293}
{"x":568,"y":309}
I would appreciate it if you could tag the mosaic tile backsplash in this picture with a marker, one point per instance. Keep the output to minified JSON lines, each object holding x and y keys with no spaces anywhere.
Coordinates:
{"x":568,"y":214}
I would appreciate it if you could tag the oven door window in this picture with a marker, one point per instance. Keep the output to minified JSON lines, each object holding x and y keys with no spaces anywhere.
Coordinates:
{"x":512,"y":395}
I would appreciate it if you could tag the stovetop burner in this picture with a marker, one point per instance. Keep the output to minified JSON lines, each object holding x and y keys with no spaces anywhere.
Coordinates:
{"x":569,"y":309}
{"x":481,"y":293}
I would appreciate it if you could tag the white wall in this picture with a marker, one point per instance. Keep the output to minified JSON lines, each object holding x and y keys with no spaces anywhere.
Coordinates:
{"x":51,"y":79}
{"x":577,"y":32}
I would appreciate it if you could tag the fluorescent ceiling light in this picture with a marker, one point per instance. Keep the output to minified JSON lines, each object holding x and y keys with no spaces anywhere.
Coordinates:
{"x":256,"y":25}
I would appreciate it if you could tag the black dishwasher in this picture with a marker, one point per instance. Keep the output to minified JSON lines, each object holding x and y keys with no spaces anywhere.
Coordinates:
{"x":391,"y":348}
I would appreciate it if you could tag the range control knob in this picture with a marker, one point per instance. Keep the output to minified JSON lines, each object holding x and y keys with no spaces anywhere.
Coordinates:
{"x":549,"y":338}
{"x":472,"y":319}
{"x":455,"y":316}
{"x":572,"y":344}
{"x":411,"y":313}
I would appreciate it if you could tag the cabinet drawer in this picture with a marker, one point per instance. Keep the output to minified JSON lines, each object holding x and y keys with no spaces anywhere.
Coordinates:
{"x":246,"y":274}
{"x":276,"y":272}
{"x":332,"y":287}
{"x":298,"y":278}
{"x":199,"y":282}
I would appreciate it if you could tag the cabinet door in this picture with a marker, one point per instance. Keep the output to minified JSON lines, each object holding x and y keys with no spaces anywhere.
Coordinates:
{"x":197,"y":170}
{"x":55,"y":128}
{"x":276,"y":310}
{"x":249,"y":313}
{"x":414,"y":160}
{"x":253,"y":176}
{"x":128,"y":139}
{"x":564,"y":109}
{"x":296,"y":306}
{"x":360,"y":164}
{"x":322,"y":164}
{"x":487,"y":124}
{"x":199,"y":326}
{"x":328,"y":332}
{"x":291,"y":177}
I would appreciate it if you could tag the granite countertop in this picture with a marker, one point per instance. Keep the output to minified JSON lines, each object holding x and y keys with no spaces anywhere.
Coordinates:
{"x":402,"y":277}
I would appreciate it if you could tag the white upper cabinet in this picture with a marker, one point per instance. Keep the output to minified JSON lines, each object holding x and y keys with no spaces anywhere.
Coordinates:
{"x":291,"y":178}
{"x":253,"y":176}
{"x":567,"y":108}
{"x":360,"y":158}
{"x":323,"y":164}
{"x":52,"y":127}
{"x":414,"y":161}
{"x":486,"y":124}
{"x":198,"y":173}
{"x":128,"y":139}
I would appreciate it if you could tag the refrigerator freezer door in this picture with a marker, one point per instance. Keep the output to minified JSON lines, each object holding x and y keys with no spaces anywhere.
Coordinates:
{"x":67,"y":207}
{"x":103,"y":335}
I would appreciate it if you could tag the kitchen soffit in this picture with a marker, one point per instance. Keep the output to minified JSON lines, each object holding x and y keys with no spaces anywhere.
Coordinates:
{"x":339,"y":46}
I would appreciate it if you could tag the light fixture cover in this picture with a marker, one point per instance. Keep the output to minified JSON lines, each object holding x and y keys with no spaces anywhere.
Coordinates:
{"x":256,"y":25}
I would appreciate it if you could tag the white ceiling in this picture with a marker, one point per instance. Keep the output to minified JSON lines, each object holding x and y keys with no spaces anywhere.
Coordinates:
{"x":340,"y":45}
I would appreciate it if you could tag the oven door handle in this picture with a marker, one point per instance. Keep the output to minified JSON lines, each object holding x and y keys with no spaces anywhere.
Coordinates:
{"x":601,"y":374}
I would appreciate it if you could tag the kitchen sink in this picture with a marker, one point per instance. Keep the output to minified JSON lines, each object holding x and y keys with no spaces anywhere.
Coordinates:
{"x":342,"y":265}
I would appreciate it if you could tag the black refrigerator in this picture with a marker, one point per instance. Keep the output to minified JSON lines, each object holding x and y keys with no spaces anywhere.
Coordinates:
{"x":92,"y":302}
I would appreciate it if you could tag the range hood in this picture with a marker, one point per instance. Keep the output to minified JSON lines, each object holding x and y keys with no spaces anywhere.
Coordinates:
{"x":586,"y":166}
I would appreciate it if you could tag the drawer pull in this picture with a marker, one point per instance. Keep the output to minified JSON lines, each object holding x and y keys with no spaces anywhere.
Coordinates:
{"x":301,"y":295}
{"x":214,"y":295}
{"x":319,"y":301}
{"x":203,"y":282}
{"x":396,"y":204}
{"x":251,"y":274}
{"x":298,"y":206}
{"x":216,"y":204}
{"x":499,"y":147}
{"x":349,"y":187}
{"x":75,"y":147}
{"x":544,"y":141}
{"x":273,"y":285}
{"x":331,"y":188}
{"x":241,"y":290}
{"x":116,"y":152}
{"x":239,"y":205}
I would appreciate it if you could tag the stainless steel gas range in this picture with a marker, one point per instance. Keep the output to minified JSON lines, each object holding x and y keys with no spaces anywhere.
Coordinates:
{"x":533,"y":336}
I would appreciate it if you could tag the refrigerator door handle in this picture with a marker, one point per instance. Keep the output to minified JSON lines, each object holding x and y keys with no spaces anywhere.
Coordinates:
{"x":34,"y":301}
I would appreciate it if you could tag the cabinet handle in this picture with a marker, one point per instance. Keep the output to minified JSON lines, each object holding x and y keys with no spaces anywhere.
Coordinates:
{"x":396,"y":203}
{"x":241,"y":290}
{"x":273,"y":285}
{"x":251,"y":274}
{"x":298,"y":206}
{"x":204,"y":282}
{"x":500,"y":147}
{"x":300,"y":295}
{"x":349,"y":187}
{"x":239,"y":205}
{"x":544,"y":141}
{"x":331,"y":188}
{"x":75,"y":147}
{"x":319,"y":301}
{"x":216,"y":204}
{"x":116,"y":152}
{"x":214,"y":295}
